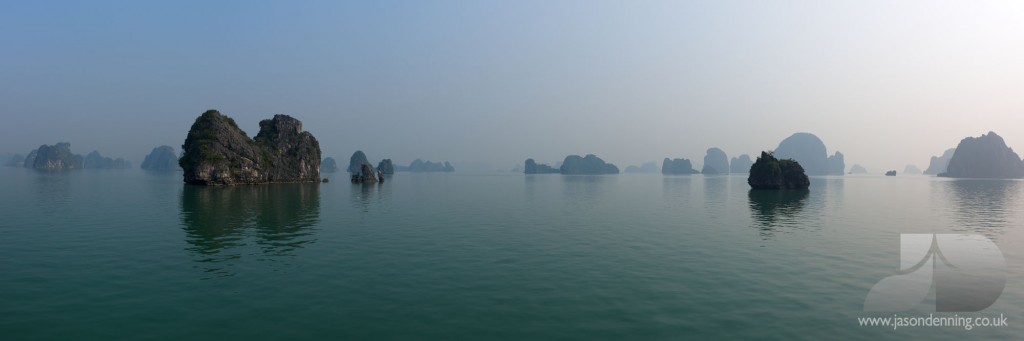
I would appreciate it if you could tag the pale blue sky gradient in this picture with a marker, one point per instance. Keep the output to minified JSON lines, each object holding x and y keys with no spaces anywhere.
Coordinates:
{"x":886,"y":82}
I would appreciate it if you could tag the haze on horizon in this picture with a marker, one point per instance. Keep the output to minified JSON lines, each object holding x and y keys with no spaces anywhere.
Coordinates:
{"x":886,"y":83}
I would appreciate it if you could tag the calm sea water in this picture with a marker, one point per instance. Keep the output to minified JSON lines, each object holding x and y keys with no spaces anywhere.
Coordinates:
{"x":129,"y":254}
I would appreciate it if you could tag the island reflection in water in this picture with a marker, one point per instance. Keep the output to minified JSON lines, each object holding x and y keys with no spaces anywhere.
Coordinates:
{"x":981,"y":205}
{"x":776,"y":209}
{"x":224,"y":223}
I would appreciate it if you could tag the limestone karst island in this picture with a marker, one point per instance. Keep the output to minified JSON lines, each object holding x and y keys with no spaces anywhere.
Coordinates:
{"x":217,"y":152}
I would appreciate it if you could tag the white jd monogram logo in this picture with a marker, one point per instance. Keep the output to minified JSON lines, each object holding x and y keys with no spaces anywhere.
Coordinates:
{"x":968,"y":273}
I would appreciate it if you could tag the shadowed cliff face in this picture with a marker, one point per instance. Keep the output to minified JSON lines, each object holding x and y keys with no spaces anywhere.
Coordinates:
{"x":217,"y":152}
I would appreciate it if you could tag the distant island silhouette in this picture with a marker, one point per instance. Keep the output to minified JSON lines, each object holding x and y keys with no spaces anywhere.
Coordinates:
{"x":587,"y":165}
{"x":810,"y":152}
{"x":573,"y":165}
{"x":328,"y":165}
{"x":647,"y":167}
{"x":162,"y":158}
{"x":740,"y":164}
{"x":532,"y":167}
{"x":715,"y":162}
{"x":58,"y":156}
{"x":677,"y":167}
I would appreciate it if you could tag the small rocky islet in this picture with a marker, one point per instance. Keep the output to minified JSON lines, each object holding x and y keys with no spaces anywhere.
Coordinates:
{"x":769,"y":172}
{"x":362,"y":170}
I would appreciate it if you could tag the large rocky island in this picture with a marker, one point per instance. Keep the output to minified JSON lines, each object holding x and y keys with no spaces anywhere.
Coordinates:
{"x":987,"y":157}
{"x":217,"y":152}
{"x":771,"y":173}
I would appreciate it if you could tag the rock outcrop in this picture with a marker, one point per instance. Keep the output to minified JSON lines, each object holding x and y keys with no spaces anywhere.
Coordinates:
{"x":938,"y":164}
{"x":328,"y":165}
{"x":366,"y":174}
{"x":420,"y":166}
{"x":810,"y":152}
{"x":217,"y":152}
{"x":647,"y":167}
{"x":355,"y":163}
{"x":715,"y":162}
{"x":891,"y":173}
{"x":987,"y":157}
{"x":587,"y":165}
{"x":771,"y":173}
{"x":96,"y":161}
{"x":161,"y":159}
{"x":55,"y":157}
{"x":361,"y":169}
{"x":911,"y":169}
{"x":857,"y":169}
{"x":677,"y":167}
{"x":386,"y":167}
{"x":740,"y":164}
{"x":532,"y":167}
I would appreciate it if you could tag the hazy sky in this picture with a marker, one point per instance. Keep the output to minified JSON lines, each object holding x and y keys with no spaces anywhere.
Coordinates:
{"x":885,"y":82}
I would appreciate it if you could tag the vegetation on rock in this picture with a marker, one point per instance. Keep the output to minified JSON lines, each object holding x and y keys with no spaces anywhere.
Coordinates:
{"x":217,"y":152}
{"x":771,"y":173}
